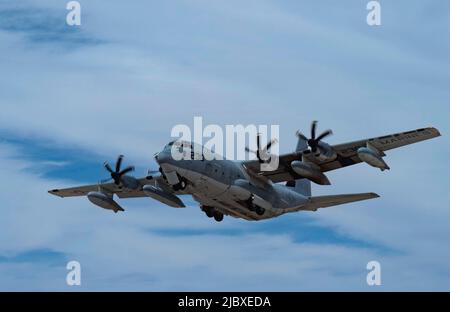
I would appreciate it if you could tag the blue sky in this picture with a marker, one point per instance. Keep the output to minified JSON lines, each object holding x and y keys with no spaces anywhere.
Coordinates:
{"x":74,"y":97}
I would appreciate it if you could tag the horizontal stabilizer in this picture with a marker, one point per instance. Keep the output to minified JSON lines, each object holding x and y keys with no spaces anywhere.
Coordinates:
{"x":334,"y":200}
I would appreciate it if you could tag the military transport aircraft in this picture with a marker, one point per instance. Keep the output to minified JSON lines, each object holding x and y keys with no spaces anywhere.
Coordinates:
{"x":240,"y":188}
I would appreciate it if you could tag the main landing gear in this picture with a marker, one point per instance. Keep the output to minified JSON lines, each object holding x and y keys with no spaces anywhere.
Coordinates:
{"x":180,"y":186}
{"x":213,"y":213}
{"x":252,"y":207}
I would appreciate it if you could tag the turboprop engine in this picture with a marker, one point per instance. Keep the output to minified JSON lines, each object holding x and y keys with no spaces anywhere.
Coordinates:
{"x":310,"y":171}
{"x":120,"y":177}
{"x":372,"y":156}
{"x":104,"y":201}
{"x":321,"y":150}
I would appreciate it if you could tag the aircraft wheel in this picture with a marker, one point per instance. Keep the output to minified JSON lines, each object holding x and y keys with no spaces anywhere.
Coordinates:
{"x":218,"y":216}
{"x":180,"y":185}
{"x":209,"y":212}
{"x":183,"y":184}
{"x":250,"y":204}
{"x":260,"y":211}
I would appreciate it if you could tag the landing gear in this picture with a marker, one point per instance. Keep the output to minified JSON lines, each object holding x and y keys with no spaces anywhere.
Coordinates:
{"x":180,"y":186}
{"x":251,"y":206}
{"x":255,"y":208}
{"x":260,"y":210}
{"x":209,"y":211}
{"x":218,"y":216}
{"x":213,"y":213}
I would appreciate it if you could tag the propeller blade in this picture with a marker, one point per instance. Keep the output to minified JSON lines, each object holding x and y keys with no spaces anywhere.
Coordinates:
{"x":119,"y":163}
{"x":313,"y":129}
{"x":126,"y":170}
{"x":269,"y":145}
{"x":260,"y":151}
{"x":116,"y":178}
{"x":301,"y":136}
{"x":313,"y":142}
{"x":108,"y":167}
{"x":324,"y":134}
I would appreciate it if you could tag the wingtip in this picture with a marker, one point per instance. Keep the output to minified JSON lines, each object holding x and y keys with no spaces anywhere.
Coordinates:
{"x":435,"y":130}
{"x":374,"y":195}
{"x":54,"y":192}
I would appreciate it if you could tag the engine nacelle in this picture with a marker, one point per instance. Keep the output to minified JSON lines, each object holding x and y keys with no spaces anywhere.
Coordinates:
{"x":310,"y":171}
{"x":372,"y":157}
{"x":258,"y":201}
{"x":239,"y":192}
{"x":159,"y":194}
{"x":104,"y":201}
{"x":325,"y":152}
{"x":130,"y":182}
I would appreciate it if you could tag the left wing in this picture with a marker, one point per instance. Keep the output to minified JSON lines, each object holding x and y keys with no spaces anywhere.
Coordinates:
{"x":346,"y":154}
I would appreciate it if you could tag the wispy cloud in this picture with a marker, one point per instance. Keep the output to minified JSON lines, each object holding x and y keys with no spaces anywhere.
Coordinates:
{"x":35,"y":257}
{"x":121,"y":81}
{"x":40,"y":26}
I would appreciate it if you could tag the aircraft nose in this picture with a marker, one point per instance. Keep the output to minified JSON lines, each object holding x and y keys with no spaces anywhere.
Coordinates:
{"x":161,"y":157}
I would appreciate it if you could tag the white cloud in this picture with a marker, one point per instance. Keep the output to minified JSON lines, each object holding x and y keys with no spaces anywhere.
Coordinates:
{"x":126,"y":251}
{"x":261,"y":63}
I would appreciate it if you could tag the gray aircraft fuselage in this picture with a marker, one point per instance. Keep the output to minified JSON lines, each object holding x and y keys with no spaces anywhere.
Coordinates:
{"x":225,"y":186}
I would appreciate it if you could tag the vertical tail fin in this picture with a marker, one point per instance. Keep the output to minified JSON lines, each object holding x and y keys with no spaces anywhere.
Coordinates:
{"x":301,"y":186}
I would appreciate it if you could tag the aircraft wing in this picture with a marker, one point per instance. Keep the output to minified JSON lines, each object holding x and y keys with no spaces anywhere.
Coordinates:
{"x":346,"y":154}
{"x":108,"y":187}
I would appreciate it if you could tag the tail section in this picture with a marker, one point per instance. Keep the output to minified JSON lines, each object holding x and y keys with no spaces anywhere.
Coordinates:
{"x":334,"y":200}
{"x":301,"y":186}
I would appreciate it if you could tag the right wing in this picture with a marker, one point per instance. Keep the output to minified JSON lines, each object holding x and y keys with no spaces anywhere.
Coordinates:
{"x":108,"y":187}
{"x":154,"y":187}
{"x":158,"y":182}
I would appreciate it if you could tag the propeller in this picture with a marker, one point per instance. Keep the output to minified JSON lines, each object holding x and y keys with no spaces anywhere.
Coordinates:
{"x":260,"y":151}
{"x":314,"y":141}
{"x":117,"y":174}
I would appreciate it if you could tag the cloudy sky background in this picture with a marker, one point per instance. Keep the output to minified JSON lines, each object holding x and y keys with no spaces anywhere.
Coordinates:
{"x":74,"y":97}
